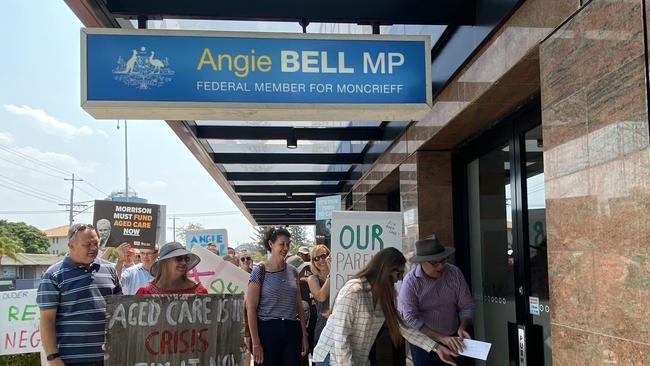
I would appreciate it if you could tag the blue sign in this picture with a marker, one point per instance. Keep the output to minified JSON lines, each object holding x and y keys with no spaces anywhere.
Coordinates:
{"x":326,"y":205}
{"x":144,"y":66}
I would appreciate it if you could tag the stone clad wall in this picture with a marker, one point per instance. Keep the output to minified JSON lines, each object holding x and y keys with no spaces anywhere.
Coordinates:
{"x":597,"y":171}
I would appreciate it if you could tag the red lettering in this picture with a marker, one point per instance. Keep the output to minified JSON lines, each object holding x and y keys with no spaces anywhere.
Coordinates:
{"x":204,"y":346}
{"x":193,"y":342}
{"x":175,"y":342}
{"x":23,"y":339}
{"x":10,"y":342}
{"x":147,"y":343}
{"x":165,"y":341}
{"x":35,"y":339}
{"x":183,"y":340}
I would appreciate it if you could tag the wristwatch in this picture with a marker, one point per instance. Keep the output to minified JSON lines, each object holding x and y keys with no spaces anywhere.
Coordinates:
{"x":53,"y":356}
{"x":436,"y":346}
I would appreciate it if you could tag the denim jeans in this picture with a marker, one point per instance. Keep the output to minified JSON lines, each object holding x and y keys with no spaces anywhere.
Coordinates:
{"x":325,"y":362}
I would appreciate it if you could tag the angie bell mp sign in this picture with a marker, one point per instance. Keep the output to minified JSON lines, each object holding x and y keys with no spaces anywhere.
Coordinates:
{"x":169,"y":74}
{"x":174,"y":330}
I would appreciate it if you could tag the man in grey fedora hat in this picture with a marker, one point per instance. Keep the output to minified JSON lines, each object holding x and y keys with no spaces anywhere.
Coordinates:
{"x":434,"y":298}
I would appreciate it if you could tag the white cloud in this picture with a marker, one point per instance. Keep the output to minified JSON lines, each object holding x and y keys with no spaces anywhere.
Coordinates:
{"x":51,"y":125}
{"x":6,"y":138}
{"x":62,"y":161}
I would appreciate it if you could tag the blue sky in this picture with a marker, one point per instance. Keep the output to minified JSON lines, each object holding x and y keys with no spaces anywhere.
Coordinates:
{"x":40,"y":117}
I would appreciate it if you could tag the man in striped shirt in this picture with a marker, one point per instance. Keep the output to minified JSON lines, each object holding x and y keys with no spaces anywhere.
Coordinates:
{"x":435,"y":299}
{"x":71,"y":297}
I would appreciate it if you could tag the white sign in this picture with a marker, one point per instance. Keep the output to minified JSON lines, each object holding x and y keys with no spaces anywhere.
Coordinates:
{"x":326,"y":205}
{"x":217,"y":275}
{"x":534,"y":305}
{"x":476,"y":349}
{"x":203,"y":237}
{"x":19,"y":318}
{"x":356,"y":237}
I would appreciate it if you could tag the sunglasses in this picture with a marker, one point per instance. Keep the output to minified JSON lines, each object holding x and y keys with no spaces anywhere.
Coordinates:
{"x":318,"y":258}
{"x":245,"y":259}
{"x":81,"y":227}
{"x":182,"y":258}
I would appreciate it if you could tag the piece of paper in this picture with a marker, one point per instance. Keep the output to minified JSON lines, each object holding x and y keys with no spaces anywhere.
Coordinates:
{"x":476,"y":349}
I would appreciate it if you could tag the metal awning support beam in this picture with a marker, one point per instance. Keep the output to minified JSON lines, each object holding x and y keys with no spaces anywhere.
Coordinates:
{"x":283,"y":198}
{"x":315,"y":176}
{"x":284,"y":216}
{"x":274,"y":205}
{"x":312,"y":188}
{"x":289,"y":221}
{"x":293,"y":211}
{"x":259,"y":158}
{"x":333,"y":11}
{"x":283,"y":133}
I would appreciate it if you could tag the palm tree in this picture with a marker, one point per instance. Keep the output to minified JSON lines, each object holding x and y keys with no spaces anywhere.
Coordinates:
{"x":8,"y":247}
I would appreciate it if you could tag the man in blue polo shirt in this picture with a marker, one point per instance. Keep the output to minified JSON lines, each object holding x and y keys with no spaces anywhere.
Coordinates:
{"x":71,"y":297}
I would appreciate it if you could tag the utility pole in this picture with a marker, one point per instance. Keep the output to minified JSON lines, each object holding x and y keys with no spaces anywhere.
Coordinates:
{"x":126,"y":163}
{"x":72,"y":205}
{"x":173,"y":218}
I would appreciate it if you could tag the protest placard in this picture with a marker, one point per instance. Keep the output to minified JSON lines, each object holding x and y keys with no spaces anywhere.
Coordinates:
{"x":19,"y":320}
{"x":174,"y":330}
{"x":203,"y":237}
{"x":126,"y":222}
{"x":217,"y":275}
{"x":356,"y":237}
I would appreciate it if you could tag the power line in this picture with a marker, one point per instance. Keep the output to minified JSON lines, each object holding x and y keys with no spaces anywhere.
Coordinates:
{"x":28,"y":193}
{"x":35,"y":161}
{"x":48,"y":166}
{"x":32,"y":189}
{"x":31,"y":168}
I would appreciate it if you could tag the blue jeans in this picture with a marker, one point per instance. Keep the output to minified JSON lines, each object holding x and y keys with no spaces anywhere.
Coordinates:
{"x":424,"y":358}
{"x":325,"y":362}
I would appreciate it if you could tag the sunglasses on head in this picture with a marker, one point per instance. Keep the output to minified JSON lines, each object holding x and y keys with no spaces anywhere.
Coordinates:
{"x":182,"y":258}
{"x":318,"y":258}
{"x":245,"y":259}
{"x":81,"y":227}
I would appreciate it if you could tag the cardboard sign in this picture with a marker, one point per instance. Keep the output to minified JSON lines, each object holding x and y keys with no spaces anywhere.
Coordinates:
{"x":217,"y":275}
{"x":356,"y":237}
{"x":203,"y":237}
{"x":174,"y":330}
{"x":19,"y":318}
{"x":120,"y":222}
{"x":172,"y":74}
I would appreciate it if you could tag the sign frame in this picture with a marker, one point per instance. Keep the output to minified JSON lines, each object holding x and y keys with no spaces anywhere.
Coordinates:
{"x":144,"y":110}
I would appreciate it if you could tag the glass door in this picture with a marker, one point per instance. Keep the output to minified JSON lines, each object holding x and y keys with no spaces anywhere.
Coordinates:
{"x":502,"y":228}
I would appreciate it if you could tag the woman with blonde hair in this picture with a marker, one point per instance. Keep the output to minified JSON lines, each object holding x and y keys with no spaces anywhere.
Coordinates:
{"x":170,"y":272}
{"x":319,"y":285}
{"x":362,"y":306}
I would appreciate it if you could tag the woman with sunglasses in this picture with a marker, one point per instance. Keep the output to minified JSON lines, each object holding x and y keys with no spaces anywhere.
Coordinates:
{"x":319,"y":285}
{"x":170,"y":272}
{"x":362,"y":306}
{"x":274,"y":307}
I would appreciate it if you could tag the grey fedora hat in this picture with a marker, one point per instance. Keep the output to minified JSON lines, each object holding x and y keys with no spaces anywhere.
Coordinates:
{"x":171,"y":250}
{"x":430,"y":249}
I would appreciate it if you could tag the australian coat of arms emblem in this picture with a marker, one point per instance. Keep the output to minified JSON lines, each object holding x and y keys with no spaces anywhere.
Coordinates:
{"x":143,"y":70}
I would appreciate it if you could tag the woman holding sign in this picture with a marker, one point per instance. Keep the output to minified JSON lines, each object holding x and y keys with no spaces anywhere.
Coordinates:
{"x":362,"y":306}
{"x":274,"y":307}
{"x":170,"y":272}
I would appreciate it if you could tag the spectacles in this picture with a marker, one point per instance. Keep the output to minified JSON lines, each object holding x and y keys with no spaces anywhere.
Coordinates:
{"x":435,"y":263}
{"x":182,"y":258}
{"x":78,"y":228}
{"x":245,"y":259}
{"x":318,"y":258}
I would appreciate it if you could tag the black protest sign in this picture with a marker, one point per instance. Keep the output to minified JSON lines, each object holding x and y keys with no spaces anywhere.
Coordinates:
{"x":126,"y":222}
{"x":174,"y":330}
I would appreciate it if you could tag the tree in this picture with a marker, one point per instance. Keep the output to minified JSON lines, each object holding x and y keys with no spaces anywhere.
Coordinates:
{"x":31,"y":239}
{"x":8,"y":247}
{"x":181,"y":231}
{"x":299,"y":237}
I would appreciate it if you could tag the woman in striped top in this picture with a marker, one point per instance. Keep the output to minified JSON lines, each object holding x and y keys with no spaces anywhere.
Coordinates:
{"x":274,"y":307}
{"x":362,"y":306}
